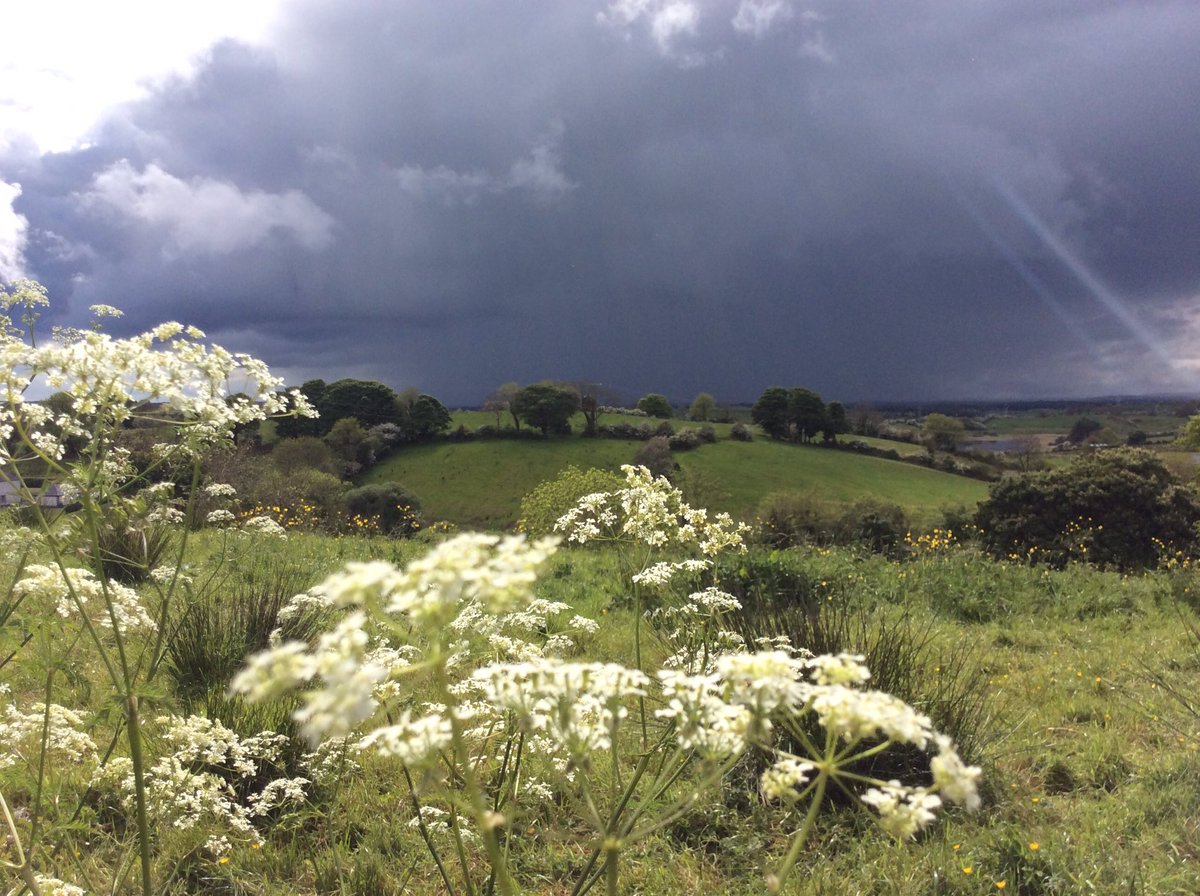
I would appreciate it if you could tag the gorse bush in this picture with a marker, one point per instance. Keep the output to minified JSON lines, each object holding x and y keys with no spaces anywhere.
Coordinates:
{"x":1117,"y":508}
{"x":395,"y":509}
{"x":543,"y":506}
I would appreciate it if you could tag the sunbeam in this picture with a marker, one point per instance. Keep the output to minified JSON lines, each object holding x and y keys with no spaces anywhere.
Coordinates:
{"x":1098,"y":290}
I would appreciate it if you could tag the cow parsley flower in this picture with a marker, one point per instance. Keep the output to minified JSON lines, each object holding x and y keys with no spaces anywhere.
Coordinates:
{"x":844,"y":668}
{"x":903,"y":811}
{"x":413,"y":741}
{"x":52,"y":886}
{"x":954,"y":780}
{"x":704,"y":720}
{"x":264,"y":526}
{"x":858,"y":715}
{"x":783,"y":779}
{"x":66,"y":744}
{"x":73,"y":590}
{"x":765,"y":680}
{"x":650,"y":512}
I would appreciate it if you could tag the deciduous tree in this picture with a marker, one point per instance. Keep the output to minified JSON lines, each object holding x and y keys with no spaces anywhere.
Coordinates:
{"x":770,"y":412}
{"x":656,"y":405}
{"x":943,"y":433}
{"x":428,"y":417}
{"x":546,"y":406}
{"x":836,"y":422}
{"x":703,"y":407}
{"x":807,"y":412}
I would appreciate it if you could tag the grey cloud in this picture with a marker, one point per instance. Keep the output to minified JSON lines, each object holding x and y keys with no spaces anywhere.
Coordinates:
{"x":850,"y":195}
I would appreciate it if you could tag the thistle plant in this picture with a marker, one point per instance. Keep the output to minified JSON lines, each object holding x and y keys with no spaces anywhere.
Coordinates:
{"x":168,"y":378}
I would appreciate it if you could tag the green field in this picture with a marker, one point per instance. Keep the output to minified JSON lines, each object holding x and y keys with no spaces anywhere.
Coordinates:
{"x":480,"y":484}
{"x":1120,"y":425}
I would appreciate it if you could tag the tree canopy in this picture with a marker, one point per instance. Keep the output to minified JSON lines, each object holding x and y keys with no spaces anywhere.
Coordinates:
{"x":656,"y":405}
{"x":427,"y":417}
{"x":771,"y":412}
{"x":703,"y":407}
{"x":807,"y":412}
{"x":942,"y":432}
{"x":546,"y":406}
{"x":1118,"y":508}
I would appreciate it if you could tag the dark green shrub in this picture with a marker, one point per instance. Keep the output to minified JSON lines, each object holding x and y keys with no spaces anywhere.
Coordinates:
{"x":1119,"y":508}
{"x":875,"y":525}
{"x":739,"y":432}
{"x":961,"y":522}
{"x":1082,"y":428}
{"x":655,"y":405}
{"x":684,"y":440}
{"x":396,"y":509}
{"x":656,"y":457}
{"x":789,"y":519}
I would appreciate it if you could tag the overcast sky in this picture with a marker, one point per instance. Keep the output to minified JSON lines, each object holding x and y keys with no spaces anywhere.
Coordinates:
{"x":876,"y":200}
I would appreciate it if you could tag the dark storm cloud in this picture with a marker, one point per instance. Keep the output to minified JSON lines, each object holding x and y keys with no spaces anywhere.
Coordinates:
{"x":870,"y":199}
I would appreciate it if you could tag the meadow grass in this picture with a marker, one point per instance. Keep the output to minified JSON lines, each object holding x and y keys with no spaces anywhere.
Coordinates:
{"x":749,"y":471}
{"x":1120,"y":425}
{"x":480,"y":484}
{"x":1092,"y":777}
{"x":1092,"y":773}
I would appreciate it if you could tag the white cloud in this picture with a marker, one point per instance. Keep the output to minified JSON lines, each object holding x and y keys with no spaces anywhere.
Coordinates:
{"x":539,"y":174}
{"x":65,"y":62}
{"x":444,"y":184}
{"x":757,"y":16}
{"x":674,"y":25}
{"x":208,"y":216}
{"x":541,"y":171}
{"x":667,"y":20}
{"x":673,"y":20}
{"x":13,"y":234}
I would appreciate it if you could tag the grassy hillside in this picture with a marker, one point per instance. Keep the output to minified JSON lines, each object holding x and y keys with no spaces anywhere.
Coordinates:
{"x":480,"y":484}
{"x":747,"y":472}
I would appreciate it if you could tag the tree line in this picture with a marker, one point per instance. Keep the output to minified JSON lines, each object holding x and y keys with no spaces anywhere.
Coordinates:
{"x":799,"y":415}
